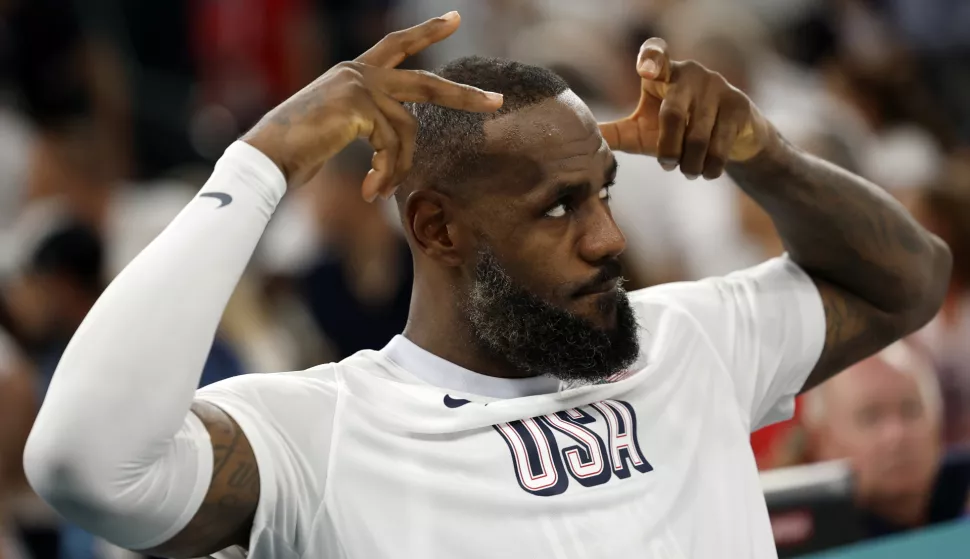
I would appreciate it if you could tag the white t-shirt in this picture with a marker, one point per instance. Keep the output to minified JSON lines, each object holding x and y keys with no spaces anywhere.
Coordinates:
{"x":399,"y":454}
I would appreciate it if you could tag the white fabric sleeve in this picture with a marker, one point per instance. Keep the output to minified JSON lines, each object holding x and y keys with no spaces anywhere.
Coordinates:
{"x":766,"y":324}
{"x":115,"y":448}
{"x":288,"y":419}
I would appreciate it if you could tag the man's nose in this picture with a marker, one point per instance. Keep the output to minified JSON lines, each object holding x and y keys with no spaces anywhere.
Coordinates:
{"x":603,"y":238}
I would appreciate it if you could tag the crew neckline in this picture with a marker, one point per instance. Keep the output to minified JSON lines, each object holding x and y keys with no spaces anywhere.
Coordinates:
{"x":442,"y":373}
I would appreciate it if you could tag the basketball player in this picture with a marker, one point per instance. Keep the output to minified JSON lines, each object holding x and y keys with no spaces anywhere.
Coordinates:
{"x":531,"y":408}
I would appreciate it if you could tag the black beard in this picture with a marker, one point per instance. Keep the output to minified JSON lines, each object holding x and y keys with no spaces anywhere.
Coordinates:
{"x":535,"y":337}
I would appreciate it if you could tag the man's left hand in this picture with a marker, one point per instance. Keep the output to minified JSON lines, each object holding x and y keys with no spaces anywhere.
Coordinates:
{"x":689,"y":117}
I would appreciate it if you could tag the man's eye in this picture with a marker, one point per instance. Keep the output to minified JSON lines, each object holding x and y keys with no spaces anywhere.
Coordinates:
{"x":559,"y":210}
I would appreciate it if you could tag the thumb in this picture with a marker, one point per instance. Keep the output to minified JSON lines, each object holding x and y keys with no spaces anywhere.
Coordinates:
{"x":653,"y":64}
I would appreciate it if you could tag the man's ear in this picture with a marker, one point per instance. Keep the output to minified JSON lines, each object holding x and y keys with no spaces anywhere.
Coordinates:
{"x":430,"y":221}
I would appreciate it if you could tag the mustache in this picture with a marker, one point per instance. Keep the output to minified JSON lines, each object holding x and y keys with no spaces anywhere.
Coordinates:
{"x":609,"y":270}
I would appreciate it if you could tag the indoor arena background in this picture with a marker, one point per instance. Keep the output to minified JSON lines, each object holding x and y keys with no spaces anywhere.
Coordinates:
{"x":112,"y":113}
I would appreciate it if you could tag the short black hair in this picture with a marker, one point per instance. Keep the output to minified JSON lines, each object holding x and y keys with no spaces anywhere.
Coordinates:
{"x":449,"y":141}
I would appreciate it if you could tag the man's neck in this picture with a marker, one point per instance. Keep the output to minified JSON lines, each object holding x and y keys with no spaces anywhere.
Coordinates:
{"x":436,"y":325}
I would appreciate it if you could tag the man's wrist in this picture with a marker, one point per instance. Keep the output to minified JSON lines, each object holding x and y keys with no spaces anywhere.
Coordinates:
{"x":776,"y":155}
{"x":254,"y":168}
{"x":267,"y":148}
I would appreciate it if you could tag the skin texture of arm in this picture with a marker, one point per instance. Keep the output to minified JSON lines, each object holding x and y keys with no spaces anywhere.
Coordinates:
{"x":880,"y":274}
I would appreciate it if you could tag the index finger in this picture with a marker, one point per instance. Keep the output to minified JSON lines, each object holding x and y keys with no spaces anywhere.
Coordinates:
{"x":653,"y":62}
{"x":396,"y":46}
{"x":418,"y":86}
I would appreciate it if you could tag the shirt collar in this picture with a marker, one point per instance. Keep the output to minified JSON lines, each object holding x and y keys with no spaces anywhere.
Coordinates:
{"x":436,"y":371}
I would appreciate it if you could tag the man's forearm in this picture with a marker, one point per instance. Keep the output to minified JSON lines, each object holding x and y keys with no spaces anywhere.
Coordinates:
{"x":115,"y":448}
{"x":845,"y":230}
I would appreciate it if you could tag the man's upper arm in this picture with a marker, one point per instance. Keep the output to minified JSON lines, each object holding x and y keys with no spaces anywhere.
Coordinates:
{"x":270,"y":438}
{"x":854,"y":330}
{"x":226,"y":515}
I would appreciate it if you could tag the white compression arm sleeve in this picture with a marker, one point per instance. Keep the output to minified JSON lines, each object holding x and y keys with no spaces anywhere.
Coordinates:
{"x":115,"y":448}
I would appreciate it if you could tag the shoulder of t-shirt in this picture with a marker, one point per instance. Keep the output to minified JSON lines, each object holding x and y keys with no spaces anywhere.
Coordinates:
{"x":325,"y":376}
{"x":670,"y":300}
{"x":690,"y":297}
{"x":254,"y":387}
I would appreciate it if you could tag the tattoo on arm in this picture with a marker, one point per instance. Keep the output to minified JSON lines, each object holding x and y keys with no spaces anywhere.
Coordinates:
{"x":880,"y":274}
{"x":854,"y":330}
{"x":226,"y":515}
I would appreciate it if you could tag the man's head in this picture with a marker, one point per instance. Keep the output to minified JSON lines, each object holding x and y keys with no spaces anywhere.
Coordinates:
{"x":508,"y":212}
{"x":884,"y":415}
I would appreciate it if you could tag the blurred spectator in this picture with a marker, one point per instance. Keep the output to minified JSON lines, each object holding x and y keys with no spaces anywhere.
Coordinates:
{"x":17,"y":409}
{"x":63,"y":280}
{"x":876,"y":71}
{"x":250,"y":55}
{"x":495,"y":22}
{"x":359,"y":290}
{"x":935,"y":31}
{"x":347,"y":29}
{"x":944,"y":208}
{"x":884,"y":415}
{"x":69,"y":83}
{"x":16,"y":139}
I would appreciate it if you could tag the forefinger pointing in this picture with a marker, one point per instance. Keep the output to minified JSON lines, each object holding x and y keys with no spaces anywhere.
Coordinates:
{"x":416,"y":86}
{"x":395,"y":47}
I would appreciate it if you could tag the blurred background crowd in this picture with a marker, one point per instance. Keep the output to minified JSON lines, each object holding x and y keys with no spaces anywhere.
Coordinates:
{"x":112,"y":113}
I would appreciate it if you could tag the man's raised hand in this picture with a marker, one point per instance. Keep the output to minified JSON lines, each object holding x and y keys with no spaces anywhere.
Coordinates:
{"x":688,"y":116}
{"x":362,"y":99}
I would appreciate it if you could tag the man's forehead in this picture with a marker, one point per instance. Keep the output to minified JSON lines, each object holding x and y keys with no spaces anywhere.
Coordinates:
{"x":553,"y":130}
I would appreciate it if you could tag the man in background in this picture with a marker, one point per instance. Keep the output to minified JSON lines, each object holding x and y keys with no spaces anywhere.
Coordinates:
{"x":358,"y":290}
{"x":944,"y":208}
{"x":884,"y":415}
{"x":60,"y":282}
{"x":17,"y":409}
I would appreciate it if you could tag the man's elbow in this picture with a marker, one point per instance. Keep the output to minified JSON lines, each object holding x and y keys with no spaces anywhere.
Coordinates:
{"x":60,"y":472}
{"x":934,"y":281}
{"x":49,"y":470}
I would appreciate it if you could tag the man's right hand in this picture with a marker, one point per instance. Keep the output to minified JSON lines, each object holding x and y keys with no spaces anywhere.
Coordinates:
{"x":362,"y":99}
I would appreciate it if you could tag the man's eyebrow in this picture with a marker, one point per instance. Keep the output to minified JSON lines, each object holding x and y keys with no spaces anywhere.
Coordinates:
{"x":570,"y":189}
{"x":567,"y":189}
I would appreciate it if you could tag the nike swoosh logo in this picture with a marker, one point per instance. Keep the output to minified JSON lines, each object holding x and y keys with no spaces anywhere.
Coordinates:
{"x":224,"y":199}
{"x":455,"y":402}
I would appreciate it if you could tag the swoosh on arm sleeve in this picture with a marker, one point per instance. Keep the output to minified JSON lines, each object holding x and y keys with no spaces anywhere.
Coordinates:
{"x":115,"y":448}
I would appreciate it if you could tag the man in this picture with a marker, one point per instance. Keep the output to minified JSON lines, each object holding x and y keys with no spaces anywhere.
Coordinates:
{"x":943,"y":207}
{"x":531,"y":408}
{"x":884,"y":414}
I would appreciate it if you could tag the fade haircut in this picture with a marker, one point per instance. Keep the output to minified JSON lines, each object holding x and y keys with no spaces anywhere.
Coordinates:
{"x":450,"y":143}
